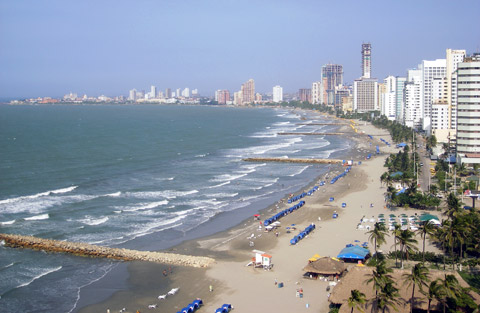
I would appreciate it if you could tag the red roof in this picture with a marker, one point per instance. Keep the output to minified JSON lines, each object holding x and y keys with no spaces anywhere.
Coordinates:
{"x":267,"y":255}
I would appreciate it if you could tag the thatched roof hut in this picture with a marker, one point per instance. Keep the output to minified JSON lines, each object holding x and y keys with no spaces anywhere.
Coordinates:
{"x":357,"y":276}
{"x":325,"y":266}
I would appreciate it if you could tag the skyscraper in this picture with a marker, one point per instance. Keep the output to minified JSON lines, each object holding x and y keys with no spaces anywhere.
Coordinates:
{"x":453,"y":57}
{"x":468,"y":106}
{"x":223,"y":96}
{"x":430,"y":70}
{"x":413,"y":111}
{"x":248,"y":92}
{"x":333,"y":73}
{"x":153,"y":92}
{"x":168,"y":93}
{"x":277,"y":94}
{"x":366,"y":60}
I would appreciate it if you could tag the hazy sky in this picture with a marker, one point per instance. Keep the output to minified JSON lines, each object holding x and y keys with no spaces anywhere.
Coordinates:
{"x":52,"y":47}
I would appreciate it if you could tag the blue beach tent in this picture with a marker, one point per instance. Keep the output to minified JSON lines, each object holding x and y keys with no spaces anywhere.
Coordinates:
{"x":356,"y":252}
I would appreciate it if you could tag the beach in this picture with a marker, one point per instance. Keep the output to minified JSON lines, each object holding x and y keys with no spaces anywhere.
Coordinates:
{"x":251,"y":289}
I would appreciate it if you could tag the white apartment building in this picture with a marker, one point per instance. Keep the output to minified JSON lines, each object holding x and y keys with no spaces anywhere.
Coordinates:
{"x":453,"y":57}
{"x":430,"y":70}
{"x":317,"y":92}
{"x":440,"y":113}
{"x":468,"y":110}
{"x":399,"y":99}
{"x":413,"y":99}
{"x":277,"y":94}
{"x":186,"y":93}
{"x":132,"y":95}
{"x":389,"y":98}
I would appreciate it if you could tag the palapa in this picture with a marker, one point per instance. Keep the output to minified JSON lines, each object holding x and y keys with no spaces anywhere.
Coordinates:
{"x":325,"y":266}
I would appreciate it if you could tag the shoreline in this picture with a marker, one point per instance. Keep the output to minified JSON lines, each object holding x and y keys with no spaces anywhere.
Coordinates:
{"x":211,"y":245}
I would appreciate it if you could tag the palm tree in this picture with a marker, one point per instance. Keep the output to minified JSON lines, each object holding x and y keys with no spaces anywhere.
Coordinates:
{"x":396,"y":232}
{"x":454,"y":206}
{"x":356,"y":300}
{"x":451,"y":289}
{"x":427,"y":229}
{"x":418,"y":277}
{"x":380,"y":277}
{"x":388,"y":297}
{"x":435,"y":291}
{"x":377,"y":235}
{"x":407,"y":242}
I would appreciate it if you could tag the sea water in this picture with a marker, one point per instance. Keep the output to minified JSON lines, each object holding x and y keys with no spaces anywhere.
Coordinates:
{"x":141,"y":177}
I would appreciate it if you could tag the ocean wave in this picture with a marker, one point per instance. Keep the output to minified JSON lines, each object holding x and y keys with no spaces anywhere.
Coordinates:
{"x":300,"y":171}
{"x":7,"y":266}
{"x":38,"y":195}
{"x":222,"y":195}
{"x":219,"y":185}
{"x":48,"y":271}
{"x":115,"y":194}
{"x":37,"y":217}
{"x":93,"y":222}
{"x":146,"y":206}
{"x":168,"y":194}
{"x":201,"y":155}
{"x":40,"y":204}
{"x":227,"y":177}
{"x":7,"y":222}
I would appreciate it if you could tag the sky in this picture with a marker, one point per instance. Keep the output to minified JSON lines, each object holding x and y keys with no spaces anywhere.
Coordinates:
{"x":53,"y":47}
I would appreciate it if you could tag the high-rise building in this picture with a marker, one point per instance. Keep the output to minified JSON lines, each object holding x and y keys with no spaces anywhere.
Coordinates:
{"x":340,"y":93}
{"x":237,"y":98}
{"x":365,"y":95}
{"x":430,"y":70}
{"x":168,"y":93}
{"x":400,"y":101}
{"x":132,"y":95}
{"x":366,"y":60}
{"x":453,"y":57}
{"x":389,"y":98}
{"x":248,"y":92}
{"x":413,"y":111}
{"x":178,"y":93}
{"x":186,"y":93}
{"x":223,"y":96}
{"x":153,"y":92}
{"x":333,"y":74}
{"x":468,"y":108}
{"x":277,"y":94}
{"x":317,"y":92}
{"x":305,"y":95}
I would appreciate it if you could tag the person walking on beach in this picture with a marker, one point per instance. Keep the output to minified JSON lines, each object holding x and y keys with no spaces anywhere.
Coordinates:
{"x":210,"y":288}
{"x":276,"y":282}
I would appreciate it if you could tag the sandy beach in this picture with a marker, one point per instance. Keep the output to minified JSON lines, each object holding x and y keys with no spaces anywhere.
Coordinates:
{"x":251,"y":289}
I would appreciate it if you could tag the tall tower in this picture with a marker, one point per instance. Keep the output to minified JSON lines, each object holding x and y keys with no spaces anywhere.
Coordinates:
{"x":248,"y":92}
{"x":333,"y":73}
{"x":366,"y":60}
{"x":277,"y":94}
{"x":468,"y":105}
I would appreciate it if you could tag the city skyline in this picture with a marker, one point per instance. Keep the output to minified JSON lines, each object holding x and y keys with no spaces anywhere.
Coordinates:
{"x":53,"y":47}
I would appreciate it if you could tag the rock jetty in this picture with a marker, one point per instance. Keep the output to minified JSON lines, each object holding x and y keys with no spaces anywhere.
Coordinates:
{"x":292,"y":160}
{"x":88,"y":250}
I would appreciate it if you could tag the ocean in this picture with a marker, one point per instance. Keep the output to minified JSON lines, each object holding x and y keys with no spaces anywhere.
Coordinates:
{"x":134,"y":176}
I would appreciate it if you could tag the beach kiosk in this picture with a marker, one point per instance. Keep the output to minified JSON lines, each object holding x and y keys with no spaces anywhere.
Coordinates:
{"x":262,"y":259}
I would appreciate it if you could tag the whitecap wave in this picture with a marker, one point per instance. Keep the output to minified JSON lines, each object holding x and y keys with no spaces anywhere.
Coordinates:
{"x":227,"y":177}
{"x":48,"y":271}
{"x":146,"y":206}
{"x":7,"y":222}
{"x":300,"y":171}
{"x":115,"y":194}
{"x":219,"y":185}
{"x":93,"y":222}
{"x":37,"y":217}
{"x":168,"y":194}
{"x":38,"y":195}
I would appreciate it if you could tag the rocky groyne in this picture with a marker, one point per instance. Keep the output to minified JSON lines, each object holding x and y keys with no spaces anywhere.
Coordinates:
{"x":291,"y":160}
{"x":88,"y":250}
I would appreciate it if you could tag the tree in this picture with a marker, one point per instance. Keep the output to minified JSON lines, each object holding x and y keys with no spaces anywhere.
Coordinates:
{"x":454,"y":206}
{"x":377,"y":235}
{"x":418,"y":277}
{"x":407,"y":242}
{"x":435,"y":291}
{"x":356,"y":300}
{"x":396,"y":232}
{"x":380,"y":278}
{"x":388,"y":297}
{"x":427,"y":229}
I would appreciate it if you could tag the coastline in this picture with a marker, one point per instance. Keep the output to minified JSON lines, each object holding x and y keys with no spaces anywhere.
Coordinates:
{"x":225,"y":246}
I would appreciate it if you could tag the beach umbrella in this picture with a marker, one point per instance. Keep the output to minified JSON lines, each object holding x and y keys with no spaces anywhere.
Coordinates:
{"x":392,"y":215}
{"x":357,"y":241}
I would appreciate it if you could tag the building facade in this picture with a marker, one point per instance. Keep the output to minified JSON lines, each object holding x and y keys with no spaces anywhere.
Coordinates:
{"x":366,"y":60}
{"x":365,"y":95}
{"x":277,"y":94}
{"x":317,"y":92}
{"x":430,"y":70}
{"x":305,"y":95}
{"x":413,"y":112}
{"x":389,"y":97}
{"x":468,"y":110}
{"x":453,"y":57}
{"x":332,"y":74}
{"x":223,"y":96}
{"x":248,"y":92}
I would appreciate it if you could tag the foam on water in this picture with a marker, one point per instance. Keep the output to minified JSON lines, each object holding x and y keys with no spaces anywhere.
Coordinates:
{"x":299,"y":171}
{"x":7,"y":222}
{"x":38,"y":195}
{"x":146,"y":206}
{"x":43,"y":273}
{"x":94,"y":221}
{"x":37,"y":217}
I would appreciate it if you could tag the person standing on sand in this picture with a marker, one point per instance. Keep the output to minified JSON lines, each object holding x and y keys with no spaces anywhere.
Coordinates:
{"x":210,"y":288}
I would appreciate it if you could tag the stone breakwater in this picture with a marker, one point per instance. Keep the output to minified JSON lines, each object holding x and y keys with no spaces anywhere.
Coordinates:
{"x":291,"y":160}
{"x":88,"y":250}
